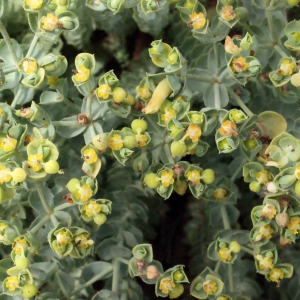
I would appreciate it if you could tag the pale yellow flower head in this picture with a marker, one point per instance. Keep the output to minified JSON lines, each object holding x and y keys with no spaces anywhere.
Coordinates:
{"x":294,"y":225}
{"x":92,"y":208}
{"x":209,"y":287}
{"x":63,"y":238}
{"x":35,"y":162}
{"x":276,"y":275}
{"x":166,"y":285}
{"x":82,"y":74}
{"x":228,"y":13}
{"x":4,"y":177}
{"x":194,"y":177}
{"x":269,"y":211}
{"x":239,"y":65}
{"x":198,"y":21}
{"x":116,"y":142}
{"x":228,"y":128}
{"x":84,"y":193}
{"x":49,"y":22}
{"x":8,"y":144}
{"x":29,"y":66}
{"x":224,"y":254}
{"x":90,"y":156}
{"x":193,"y":132}
{"x":286,"y":67}
{"x":104,"y":91}
{"x":34,"y":4}
{"x":12,"y":283}
{"x":82,"y":240}
{"x":20,"y":245}
{"x":167,"y":178}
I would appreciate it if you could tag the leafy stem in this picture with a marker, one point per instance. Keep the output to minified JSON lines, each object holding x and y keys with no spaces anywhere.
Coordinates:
{"x":246,"y":249}
{"x":230,"y":278}
{"x":217,"y":95}
{"x":200,"y":78}
{"x":17,"y":96}
{"x":32,"y":46}
{"x":269,"y":15}
{"x":239,"y":101}
{"x":40,"y":224}
{"x":280,"y":51}
{"x":225,"y":217}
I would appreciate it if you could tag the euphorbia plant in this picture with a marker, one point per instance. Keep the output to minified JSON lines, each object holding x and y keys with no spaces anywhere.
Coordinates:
{"x":95,"y":135}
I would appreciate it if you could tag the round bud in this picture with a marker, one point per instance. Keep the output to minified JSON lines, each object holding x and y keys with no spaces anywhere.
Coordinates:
{"x":297,"y":188}
{"x":293,"y":2}
{"x":51,"y":167}
{"x":29,"y":290}
{"x":178,"y":148}
{"x":18,"y":175}
{"x":129,"y":142}
{"x":73,"y":185}
{"x":234,"y":247}
{"x":119,"y":94}
{"x":176,"y":291}
{"x":152,"y":272}
{"x":178,"y":276}
{"x":139,"y":126}
{"x":282,"y":219}
{"x":208,"y":176}
{"x":151,"y":180}
{"x":129,"y":100}
{"x":101,"y":142}
{"x":100,"y":219}
{"x":255,"y":186}
{"x":22,"y":262}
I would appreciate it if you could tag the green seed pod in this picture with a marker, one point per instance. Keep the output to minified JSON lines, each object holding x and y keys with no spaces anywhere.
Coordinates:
{"x":151,"y":180}
{"x":51,"y":167}
{"x":73,"y":185}
{"x":178,"y":276}
{"x":129,"y":100}
{"x":234,"y":247}
{"x":208,"y":176}
{"x":293,"y":2}
{"x":118,"y":94}
{"x":255,"y":186}
{"x":29,"y":290}
{"x":101,"y":142}
{"x":22,"y":262}
{"x":250,"y":144}
{"x":176,"y":291}
{"x":139,"y":126}
{"x":18,"y":175}
{"x":129,"y":142}
{"x":100,"y":219}
{"x":178,"y":148}
{"x":180,"y":187}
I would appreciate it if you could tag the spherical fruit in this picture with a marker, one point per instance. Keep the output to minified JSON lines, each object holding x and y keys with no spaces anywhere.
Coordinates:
{"x":100,"y":219}
{"x":18,"y":175}
{"x":22,"y":262}
{"x":129,"y":142}
{"x":51,"y":167}
{"x":178,"y":276}
{"x":151,"y":180}
{"x":293,"y":2}
{"x":234,"y":247}
{"x":139,"y":126}
{"x":208,"y":176}
{"x":119,"y":94}
{"x":29,"y":290}
{"x":255,"y":186}
{"x":178,"y":148}
{"x":101,"y":141}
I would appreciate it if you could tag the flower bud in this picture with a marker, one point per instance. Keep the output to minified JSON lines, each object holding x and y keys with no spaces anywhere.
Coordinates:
{"x":54,"y":65}
{"x":176,"y":291}
{"x":151,"y":180}
{"x":282,"y":219}
{"x":250,"y":144}
{"x":118,"y":94}
{"x":178,"y":276}
{"x":29,"y":290}
{"x":32,"y":79}
{"x":51,"y":167}
{"x":101,"y":142}
{"x":271,"y":187}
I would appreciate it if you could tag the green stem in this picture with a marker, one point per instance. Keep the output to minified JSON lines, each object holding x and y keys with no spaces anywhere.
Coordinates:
{"x":94,"y":279}
{"x":280,"y":51}
{"x":123,"y":296}
{"x":17,"y":96}
{"x":45,"y":203}
{"x":230,"y":278}
{"x":64,"y":123}
{"x":116,"y":276}
{"x":237,"y":171}
{"x":223,"y":75}
{"x":32,"y":46}
{"x":216,"y":54}
{"x":224,"y":215}
{"x":40,"y":224}
{"x":8,"y":43}
{"x":239,"y":102}
{"x":269,"y":15}
{"x":50,"y":272}
{"x":10,"y":69}
{"x":88,"y":105}
{"x":63,"y":206}
{"x":246,"y":249}
{"x":200,"y":78}
{"x":217,"y":267}
{"x":217,"y":95}
{"x":123,"y":260}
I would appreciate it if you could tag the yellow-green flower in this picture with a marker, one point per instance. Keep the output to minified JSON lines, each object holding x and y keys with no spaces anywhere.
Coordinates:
{"x":8,"y":144}
{"x":286,"y":67}
{"x":12,"y":283}
{"x":209,"y":287}
{"x":168,"y":115}
{"x":82,"y":240}
{"x":3,"y":226}
{"x":194,"y":177}
{"x":84,"y":193}
{"x":116,"y":142}
{"x":4,"y":175}
{"x":35,"y":162}
{"x":193,"y":132}
{"x":264,"y":232}
{"x":104,"y":91}
{"x":90,"y":156}
{"x":166,"y":285}
{"x":228,"y":13}
{"x":82,"y":74}
{"x":265,"y":263}
{"x":63,"y":238}
{"x":224,"y":254}
{"x":230,"y":47}
{"x":196,"y":118}
{"x":239,"y":65}
{"x":141,"y":140}
{"x":228,"y":128}
{"x":167,"y":178}
{"x":20,"y":245}
{"x":294,"y":225}
{"x":34,"y":4}
{"x":297,"y":172}
{"x":269,"y":211}
{"x":220,"y":194}
{"x":198,"y":21}
{"x":29,"y":66}
{"x":49,"y":22}
{"x":92,"y":208}
{"x":263,"y":177}
{"x":276,"y":275}
{"x":144,"y":92}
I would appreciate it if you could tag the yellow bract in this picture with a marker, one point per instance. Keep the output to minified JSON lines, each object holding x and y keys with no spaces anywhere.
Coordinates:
{"x":82,"y":74}
{"x":49,"y":22}
{"x":198,"y":20}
